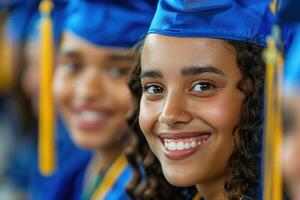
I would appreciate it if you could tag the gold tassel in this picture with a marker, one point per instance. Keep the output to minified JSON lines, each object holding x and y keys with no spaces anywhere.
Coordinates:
{"x":46,"y":118}
{"x":6,"y":65}
{"x":273,"y":123}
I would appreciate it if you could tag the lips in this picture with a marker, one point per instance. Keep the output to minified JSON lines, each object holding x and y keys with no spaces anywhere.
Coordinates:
{"x":90,"y":118}
{"x":179,"y":146}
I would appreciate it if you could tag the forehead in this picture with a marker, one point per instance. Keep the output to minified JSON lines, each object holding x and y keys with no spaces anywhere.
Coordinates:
{"x":73,"y":42}
{"x":163,"y":51}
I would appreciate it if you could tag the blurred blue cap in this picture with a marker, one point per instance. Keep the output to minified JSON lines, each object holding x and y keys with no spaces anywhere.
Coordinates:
{"x":24,"y":17}
{"x":113,"y":23}
{"x":289,"y":17}
{"x":289,"y":13}
{"x":241,"y":20}
{"x":58,"y":16}
{"x":20,"y":13}
{"x":292,"y":66}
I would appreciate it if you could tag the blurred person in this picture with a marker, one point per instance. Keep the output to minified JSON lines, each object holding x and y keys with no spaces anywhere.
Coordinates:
{"x":291,"y":109}
{"x":92,"y":95}
{"x":23,"y":31}
{"x":11,"y":31}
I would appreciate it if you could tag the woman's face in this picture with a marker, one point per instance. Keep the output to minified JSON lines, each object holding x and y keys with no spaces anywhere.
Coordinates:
{"x":291,"y":146}
{"x":90,"y":86}
{"x":190,"y":106}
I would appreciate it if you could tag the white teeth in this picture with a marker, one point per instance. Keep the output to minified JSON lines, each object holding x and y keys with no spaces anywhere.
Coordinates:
{"x":90,"y":116}
{"x":187,"y":145}
{"x":180,"y":146}
{"x":172,"y":145}
{"x":193,"y":144}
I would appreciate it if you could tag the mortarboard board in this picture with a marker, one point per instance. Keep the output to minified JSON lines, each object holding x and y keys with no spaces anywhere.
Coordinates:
{"x":228,"y":19}
{"x":113,"y":23}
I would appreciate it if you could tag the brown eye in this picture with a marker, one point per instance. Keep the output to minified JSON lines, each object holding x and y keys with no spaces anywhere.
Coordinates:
{"x":202,"y":86}
{"x":118,"y":71}
{"x":153,"y":89}
{"x":70,"y":66}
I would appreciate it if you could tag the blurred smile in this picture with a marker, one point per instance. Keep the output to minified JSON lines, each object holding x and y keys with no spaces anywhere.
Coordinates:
{"x":90,"y":118}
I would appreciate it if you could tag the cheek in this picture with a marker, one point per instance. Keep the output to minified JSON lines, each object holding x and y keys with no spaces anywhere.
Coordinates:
{"x":62,"y":88}
{"x":223,"y":112}
{"x":122,"y":97}
{"x":148,"y":115}
{"x":291,"y":150}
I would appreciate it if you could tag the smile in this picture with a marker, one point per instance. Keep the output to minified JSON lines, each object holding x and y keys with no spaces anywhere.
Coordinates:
{"x":182,"y":146}
{"x":90,"y":119}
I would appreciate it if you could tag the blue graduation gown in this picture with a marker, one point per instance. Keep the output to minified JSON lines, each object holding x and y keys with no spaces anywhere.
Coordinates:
{"x":68,"y":183}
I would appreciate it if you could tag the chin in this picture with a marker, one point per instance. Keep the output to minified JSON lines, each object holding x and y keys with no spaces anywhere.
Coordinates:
{"x":179,"y":177}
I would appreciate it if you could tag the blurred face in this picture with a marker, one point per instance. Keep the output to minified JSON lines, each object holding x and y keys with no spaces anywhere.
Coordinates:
{"x":90,"y":86}
{"x":291,"y":146}
{"x":190,"y":106}
{"x":31,"y":75}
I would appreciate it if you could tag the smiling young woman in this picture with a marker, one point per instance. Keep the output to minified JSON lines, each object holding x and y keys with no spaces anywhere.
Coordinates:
{"x":201,"y":97}
{"x":195,"y":112}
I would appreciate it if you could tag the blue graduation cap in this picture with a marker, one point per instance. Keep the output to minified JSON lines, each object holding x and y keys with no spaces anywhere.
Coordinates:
{"x":290,"y":12}
{"x":20,"y":14}
{"x":114,"y":23}
{"x":24,"y":18}
{"x":289,"y":15}
{"x":58,"y":16}
{"x":241,"y":20}
{"x":292,"y":66}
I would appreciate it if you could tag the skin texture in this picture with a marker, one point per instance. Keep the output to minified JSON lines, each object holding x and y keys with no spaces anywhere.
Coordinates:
{"x":93,"y":79}
{"x":190,"y":86}
{"x":291,"y":146}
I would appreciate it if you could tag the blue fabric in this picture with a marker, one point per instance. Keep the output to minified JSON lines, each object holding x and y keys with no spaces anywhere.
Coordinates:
{"x":58,"y":16}
{"x":289,"y":13}
{"x":24,"y":18}
{"x":24,"y":171}
{"x":289,"y":18}
{"x":68,"y":183}
{"x":113,"y":23}
{"x":19,"y":18}
{"x":225,"y":19}
{"x":292,"y":66}
{"x":118,"y":191}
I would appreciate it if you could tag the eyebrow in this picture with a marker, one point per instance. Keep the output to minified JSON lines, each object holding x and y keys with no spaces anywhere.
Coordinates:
{"x":120,"y":57}
{"x":70,"y":53}
{"x":197,"y":70}
{"x":151,"y":74}
{"x":187,"y":71}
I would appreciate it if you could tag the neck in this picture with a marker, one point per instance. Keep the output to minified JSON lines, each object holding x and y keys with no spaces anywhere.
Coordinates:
{"x":213,"y":190}
{"x":104,"y":158}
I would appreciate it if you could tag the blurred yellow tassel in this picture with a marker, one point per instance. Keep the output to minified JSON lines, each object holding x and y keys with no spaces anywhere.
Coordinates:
{"x":46,"y":120}
{"x":273,"y":123}
{"x":6,"y":65}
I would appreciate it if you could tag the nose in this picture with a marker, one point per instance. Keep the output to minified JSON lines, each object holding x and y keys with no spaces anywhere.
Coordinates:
{"x":175,"y":110}
{"x":90,"y":86}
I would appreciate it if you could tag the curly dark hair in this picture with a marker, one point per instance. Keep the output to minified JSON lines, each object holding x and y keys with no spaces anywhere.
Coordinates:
{"x":149,"y":183}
